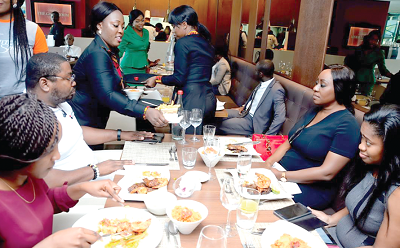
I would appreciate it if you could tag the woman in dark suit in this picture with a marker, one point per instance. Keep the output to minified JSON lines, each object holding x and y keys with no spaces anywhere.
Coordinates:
{"x":99,"y":78}
{"x":194,"y":58}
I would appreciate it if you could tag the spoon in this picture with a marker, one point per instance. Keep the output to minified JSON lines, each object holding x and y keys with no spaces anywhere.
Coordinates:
{"x":173,"y":231}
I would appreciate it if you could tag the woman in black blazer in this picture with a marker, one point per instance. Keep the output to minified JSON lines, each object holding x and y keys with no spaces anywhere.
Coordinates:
{"x":194,"y":58}
{"x":99,"y":78}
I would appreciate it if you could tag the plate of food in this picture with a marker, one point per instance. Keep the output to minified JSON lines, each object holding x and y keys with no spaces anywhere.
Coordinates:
{"x":265,"y":182}
{"x":170,"y":112}
{"x":142,"y":180}
{"x":127,"y":227}
{"x":285,"y":234}
{"x":232,"y":146}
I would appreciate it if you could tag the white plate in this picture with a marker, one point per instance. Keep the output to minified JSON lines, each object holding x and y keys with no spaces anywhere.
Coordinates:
{"x":232,"y":140}
{"x":173,"y":118}
{"x":91,"y":221}
{"x":202,"y":176}
{"x":135,"y":175}
{"x":251,"y":176}
{"x":274,"y":231}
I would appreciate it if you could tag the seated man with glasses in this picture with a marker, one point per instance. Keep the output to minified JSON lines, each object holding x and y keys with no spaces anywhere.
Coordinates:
{"x":49,"y":77}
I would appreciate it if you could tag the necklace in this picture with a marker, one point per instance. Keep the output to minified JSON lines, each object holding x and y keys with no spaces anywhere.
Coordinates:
{"x":34,"y":192}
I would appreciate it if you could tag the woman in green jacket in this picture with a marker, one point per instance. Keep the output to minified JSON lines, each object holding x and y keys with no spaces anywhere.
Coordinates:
{"x":135,"y":45}
{"x":368,"y":56}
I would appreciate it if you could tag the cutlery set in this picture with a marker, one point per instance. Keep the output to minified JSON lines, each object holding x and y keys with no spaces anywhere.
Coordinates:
{"x":170,"y":229}
{"x":173,"y":153}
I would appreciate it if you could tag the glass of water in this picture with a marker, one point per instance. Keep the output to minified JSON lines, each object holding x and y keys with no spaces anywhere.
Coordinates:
{"x":189,"y":155}
{"x":243,"y":164}
{"x":195,"y":119}
{"x":211,"y":150}
{"x":208,"y":132}
{"x":246,"y":214}
{"x":185,"y":123}
{"x":212,"y":237}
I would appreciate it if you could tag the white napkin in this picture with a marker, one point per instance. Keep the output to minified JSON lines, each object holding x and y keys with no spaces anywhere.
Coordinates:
{"x":290,"y":187}
{"x":220,"y":105}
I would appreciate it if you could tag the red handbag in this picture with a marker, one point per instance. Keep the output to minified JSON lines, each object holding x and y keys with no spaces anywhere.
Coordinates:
{"x":268,"y":144}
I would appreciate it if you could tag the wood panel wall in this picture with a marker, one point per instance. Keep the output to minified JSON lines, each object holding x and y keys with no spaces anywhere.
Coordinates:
{"x":311,"y":41}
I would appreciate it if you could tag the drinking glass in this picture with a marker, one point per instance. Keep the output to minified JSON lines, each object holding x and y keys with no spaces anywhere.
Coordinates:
{"x":243,"y":164}
{"x":246,"y":214}
{"x":185,"y":123}
{"x":189,"y":155}
{"x":230,"y":199}
{"x":195,"y":119}
{"x":211,"y":150}
{"x":208,"y":132}
{"x":212,"y":237}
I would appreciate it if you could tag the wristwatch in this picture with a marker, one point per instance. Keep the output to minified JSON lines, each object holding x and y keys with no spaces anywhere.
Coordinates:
{"x":283,"y":177}
{"x":119,"y":135}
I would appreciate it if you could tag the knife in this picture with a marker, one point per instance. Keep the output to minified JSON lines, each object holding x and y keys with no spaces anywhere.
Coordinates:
{"x":247,"y":143}
{"x":152,"y":164}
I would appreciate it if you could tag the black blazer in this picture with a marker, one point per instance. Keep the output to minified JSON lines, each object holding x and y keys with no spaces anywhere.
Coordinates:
{"x":194,"y":58}
{"x":98,"y":88}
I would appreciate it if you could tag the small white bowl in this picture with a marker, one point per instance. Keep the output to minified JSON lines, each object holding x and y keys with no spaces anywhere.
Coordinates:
{"x":207,"y":160}
{"x":188,"y":227}
{"x":133,"y":94}
{"x":157,"y":201}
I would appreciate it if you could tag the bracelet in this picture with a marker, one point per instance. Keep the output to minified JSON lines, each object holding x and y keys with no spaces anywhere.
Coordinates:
{"x":144,"y":112}
{"x":158,"y":79}
{"x":119,"y":135}
{"x":95,"y":171}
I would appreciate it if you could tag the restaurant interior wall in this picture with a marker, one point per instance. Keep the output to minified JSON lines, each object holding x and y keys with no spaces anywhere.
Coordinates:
{"x":80,"y":21}
{"x":353,"y":12}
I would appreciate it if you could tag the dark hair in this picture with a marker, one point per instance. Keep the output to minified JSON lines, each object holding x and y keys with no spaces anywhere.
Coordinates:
{"x":266,"y":67}
{"x":343,"y":84}
{"x":99,"y":12}
{"x":19,"y":40}
{"x":56,"y":16}
{"x":159,"y":25}
{"x":133,"y":15}
{"x":27,"y":126}
{"x":40,"y":65}
{"x":365,"y":43}
{"x":185,"y":13}
{"x":385,"y":119}
{"x":269,"y":54}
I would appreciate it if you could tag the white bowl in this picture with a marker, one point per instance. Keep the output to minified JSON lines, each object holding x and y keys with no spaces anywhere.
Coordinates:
{"x":157,"y":201}
{"x":188,"y":227}
{"x":207,"y":160}
{"x":133,"y":94}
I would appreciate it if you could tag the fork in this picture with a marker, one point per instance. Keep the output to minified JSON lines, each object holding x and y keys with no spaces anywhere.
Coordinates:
{"x":175,"y":151}
{"x":170,"y":155}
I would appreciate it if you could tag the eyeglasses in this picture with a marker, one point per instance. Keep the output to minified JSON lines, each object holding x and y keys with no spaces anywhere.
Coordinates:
{"x":70,"y":79}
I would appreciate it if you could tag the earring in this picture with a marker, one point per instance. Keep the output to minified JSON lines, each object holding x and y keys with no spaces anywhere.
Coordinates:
{"x":15,"y":5}
{"x":99,"y":32}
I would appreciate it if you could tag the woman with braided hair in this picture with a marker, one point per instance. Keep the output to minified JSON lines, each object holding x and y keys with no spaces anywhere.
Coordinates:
{"x":19,"y":39}
{"x":29,"y":134}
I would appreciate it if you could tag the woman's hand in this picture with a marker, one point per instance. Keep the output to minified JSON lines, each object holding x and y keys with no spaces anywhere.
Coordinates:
{"x":156,"y":118}
{"x":101,"y":188}
{"x":71,"y":237}
{"x":277,"y":173}
{"x":153,"y":63}
{"x":135,"y":135}
{"x":151,"y":82}
{"x":322,"y":216}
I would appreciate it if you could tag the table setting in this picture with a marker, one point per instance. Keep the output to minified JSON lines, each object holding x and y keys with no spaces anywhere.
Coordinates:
{"x":199,"y":194}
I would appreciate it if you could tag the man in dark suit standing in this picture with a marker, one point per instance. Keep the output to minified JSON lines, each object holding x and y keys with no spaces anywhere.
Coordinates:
{"x":264,"y":111}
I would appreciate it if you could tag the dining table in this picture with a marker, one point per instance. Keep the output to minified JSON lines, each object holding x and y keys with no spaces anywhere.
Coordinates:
{"x":209,"y":195}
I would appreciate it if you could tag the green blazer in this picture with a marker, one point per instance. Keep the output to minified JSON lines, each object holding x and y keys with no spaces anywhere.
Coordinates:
{"x":134,"y":50}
